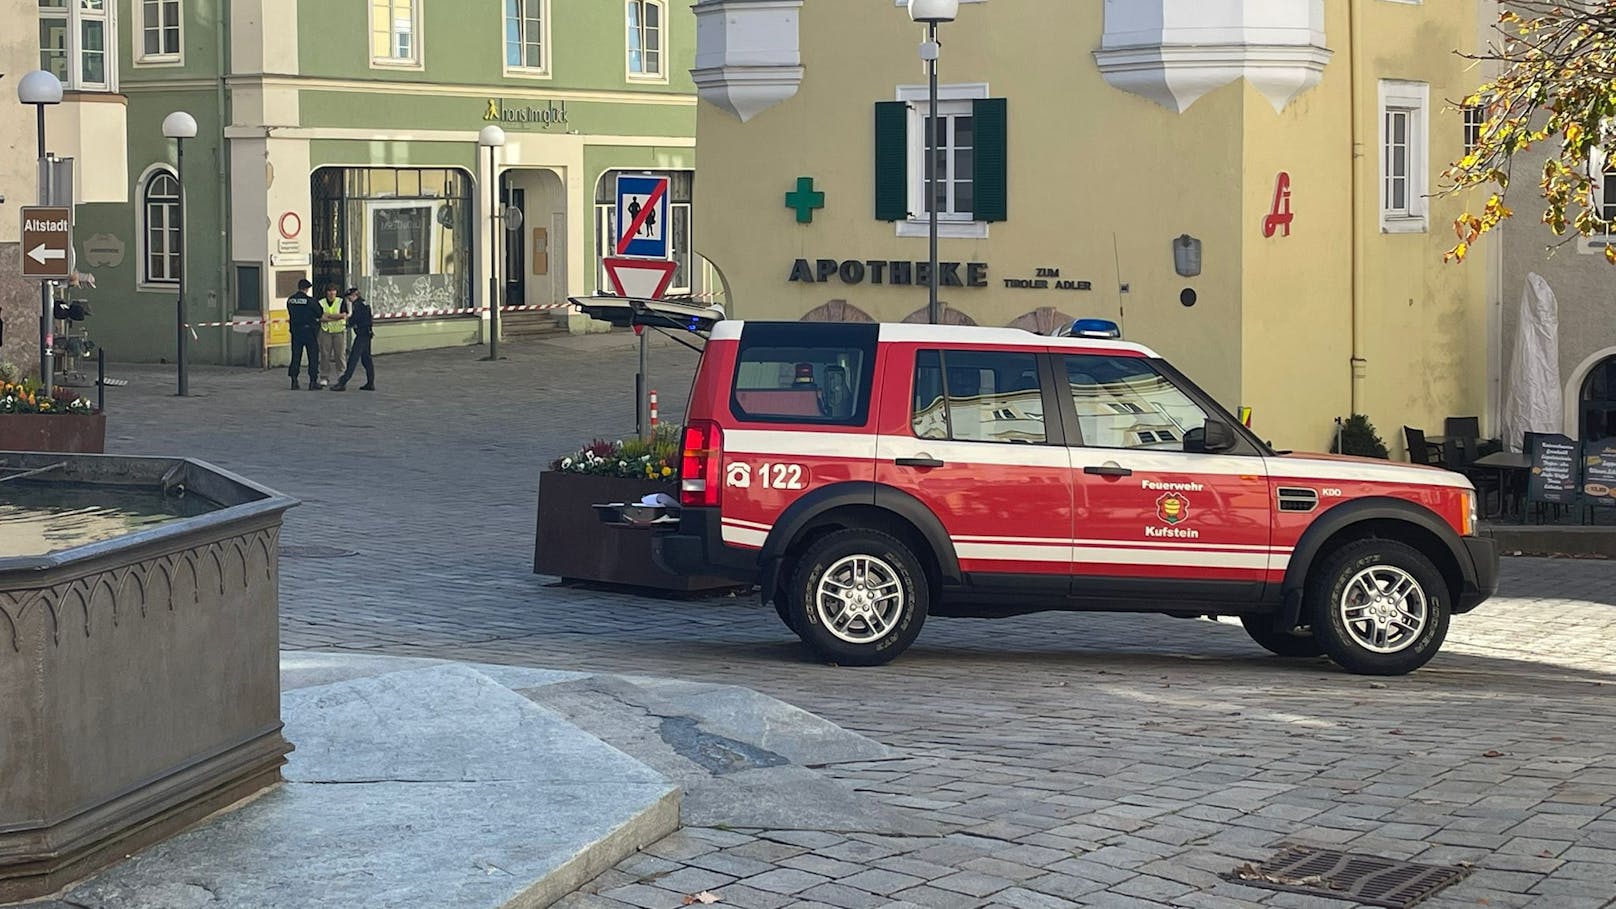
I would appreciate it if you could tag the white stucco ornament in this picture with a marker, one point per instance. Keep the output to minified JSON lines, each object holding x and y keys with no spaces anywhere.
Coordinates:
{"x":748,"y":58}
{"x":1175,"y":51}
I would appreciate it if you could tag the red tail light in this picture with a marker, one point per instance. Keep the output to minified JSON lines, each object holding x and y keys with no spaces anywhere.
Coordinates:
{"x":701,"y":465}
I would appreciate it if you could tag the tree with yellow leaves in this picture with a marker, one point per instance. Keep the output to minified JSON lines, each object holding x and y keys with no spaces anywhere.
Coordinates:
{"x":1556,"y":84}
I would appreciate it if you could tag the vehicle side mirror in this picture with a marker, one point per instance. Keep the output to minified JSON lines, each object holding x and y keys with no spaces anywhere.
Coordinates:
{"x":1212,"y":438}
{"x":1219,"y":436}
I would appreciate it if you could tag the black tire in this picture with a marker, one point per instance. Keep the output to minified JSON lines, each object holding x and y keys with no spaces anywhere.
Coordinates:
{"x":1327,"y":588}
{"x":892,"y":626}
{"x":1281,"y":643}
{"x":781,"y":610}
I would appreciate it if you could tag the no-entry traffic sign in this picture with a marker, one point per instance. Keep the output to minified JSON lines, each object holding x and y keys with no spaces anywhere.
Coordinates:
{"x":642,"y":217}
{"x":47,"y":235}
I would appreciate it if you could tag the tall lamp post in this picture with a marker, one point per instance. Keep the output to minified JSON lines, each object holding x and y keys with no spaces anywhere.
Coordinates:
{"x":180,"y":126}
{"x":42,"y":89}
{"x":492,"y":138}
{"x":932,"y":12}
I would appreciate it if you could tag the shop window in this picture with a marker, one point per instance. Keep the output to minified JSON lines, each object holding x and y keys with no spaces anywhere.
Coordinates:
{"x":393,"y":32}
{"x":977,"y":396}
{"x":74,"y":37}
{"x":645,"y":31}
{"x":159,"y":40}
{"x":527,"y":26}
{"x":403,"y":236}
{"x":1598,"y":404}
{"x":1124,"y":402}
{"x":1404,"y":155}
{"x":160,"y":228}
{"x":972,"y":170}
{"x":681,"y":191}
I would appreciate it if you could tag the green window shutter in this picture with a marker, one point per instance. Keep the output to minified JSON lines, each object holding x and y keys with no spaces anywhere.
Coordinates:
{"x":891,"y":161}
{"x":990,"y":122}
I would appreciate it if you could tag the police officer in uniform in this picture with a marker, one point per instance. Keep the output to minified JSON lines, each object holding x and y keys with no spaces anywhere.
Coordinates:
{"x":360,"y":320}
{"x":303,"y":318}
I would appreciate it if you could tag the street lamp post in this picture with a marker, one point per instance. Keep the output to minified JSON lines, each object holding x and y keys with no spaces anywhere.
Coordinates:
{"x":932,"y":12}
{"x":180,"y":126}
{"x":42,"y":89}
{"x":491,"y":138}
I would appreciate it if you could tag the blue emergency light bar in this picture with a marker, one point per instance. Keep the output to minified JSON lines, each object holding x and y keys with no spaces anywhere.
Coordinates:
{"x":1090,"y":328}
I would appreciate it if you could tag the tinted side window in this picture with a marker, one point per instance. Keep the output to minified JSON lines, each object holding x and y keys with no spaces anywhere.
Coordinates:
{"x":977,"y":396}
{"x":804,"y":374}
{"x":1124,"y":402}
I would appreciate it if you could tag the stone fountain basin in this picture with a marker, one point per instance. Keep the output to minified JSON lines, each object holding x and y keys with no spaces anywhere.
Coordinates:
{"x":140,"y":673}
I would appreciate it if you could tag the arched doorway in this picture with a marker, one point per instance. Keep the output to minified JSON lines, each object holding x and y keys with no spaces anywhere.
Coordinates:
{"x":1043,"y":320}
{"x":951,"y":316}
{"x":1596,"y":405}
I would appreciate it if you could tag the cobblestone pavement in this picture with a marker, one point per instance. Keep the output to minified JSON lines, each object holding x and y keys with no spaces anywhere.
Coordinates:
{"x":1113,"y":761}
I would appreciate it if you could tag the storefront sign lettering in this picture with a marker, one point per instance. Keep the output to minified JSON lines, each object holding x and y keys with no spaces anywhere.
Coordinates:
{"x":881,"y":271}
{"x":551,"y":114}
{"x":1047,"y":279}
{"x":1280,"y":216}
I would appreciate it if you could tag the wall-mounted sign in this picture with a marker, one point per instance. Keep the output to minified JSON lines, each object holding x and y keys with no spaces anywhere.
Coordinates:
{"x":881,"y":271}
{"x":1279,"y":216}
{"x":1047,"y":279}
{"x":551,"y":114}
{"x":103,"y":251}
{"x":291,"y":224}
{"x":805,"y":200}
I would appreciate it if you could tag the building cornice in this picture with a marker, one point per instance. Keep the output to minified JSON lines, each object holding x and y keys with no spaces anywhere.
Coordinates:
{"x":748,"y":56}
{"x":1177,"y":77}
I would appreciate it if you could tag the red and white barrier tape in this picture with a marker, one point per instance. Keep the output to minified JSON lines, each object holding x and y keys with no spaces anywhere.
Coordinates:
{"x":411,"y":314}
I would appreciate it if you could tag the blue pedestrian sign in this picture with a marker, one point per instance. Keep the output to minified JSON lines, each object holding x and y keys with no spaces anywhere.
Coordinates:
{"x":642,"y":217}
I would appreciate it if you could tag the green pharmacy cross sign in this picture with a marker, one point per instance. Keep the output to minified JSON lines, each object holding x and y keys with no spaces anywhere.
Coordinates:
{"x":805,"y":200}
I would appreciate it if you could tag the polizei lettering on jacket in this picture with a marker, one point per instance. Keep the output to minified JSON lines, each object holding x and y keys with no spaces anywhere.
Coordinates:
{"x":880,"y":271}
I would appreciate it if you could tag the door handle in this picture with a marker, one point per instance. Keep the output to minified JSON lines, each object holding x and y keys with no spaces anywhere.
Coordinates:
{"x":1109,"y":469}
{"x":922,"y":461}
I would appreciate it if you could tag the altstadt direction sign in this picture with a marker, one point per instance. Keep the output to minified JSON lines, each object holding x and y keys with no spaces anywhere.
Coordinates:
{"x":47,"y":235}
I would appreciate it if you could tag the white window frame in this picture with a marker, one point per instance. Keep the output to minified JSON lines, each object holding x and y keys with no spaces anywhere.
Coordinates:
{"x":1604,"y":205}
{"x":951,"y":100}
{"x":661,"y":74}
{"x":76,"y":15}
{"x":416,"y":59}
{"x":137,"y":35}
{"x":1474,"y":118}
{"x":545,"y":46}
{"x":1412,"y":99}
{"x":144,"y":279}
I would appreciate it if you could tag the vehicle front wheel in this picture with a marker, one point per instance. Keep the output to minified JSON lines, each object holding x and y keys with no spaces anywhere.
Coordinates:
{"x":1378,"y":607}
{"x":858,"y":597}
{"x":1281,"y":643}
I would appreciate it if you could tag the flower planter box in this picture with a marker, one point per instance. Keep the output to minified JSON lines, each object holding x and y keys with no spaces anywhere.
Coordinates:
{"x":69,"y":433}
{"x":573,"y":544}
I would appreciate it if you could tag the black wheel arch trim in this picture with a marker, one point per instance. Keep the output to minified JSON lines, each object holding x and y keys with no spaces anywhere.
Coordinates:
{"x":802,"y":513}
{"x":1374,"y":508}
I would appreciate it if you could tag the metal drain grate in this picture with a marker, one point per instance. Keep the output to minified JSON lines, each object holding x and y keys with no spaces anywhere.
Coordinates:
{"x":1367,"y":879}
{"x":315,"y":552}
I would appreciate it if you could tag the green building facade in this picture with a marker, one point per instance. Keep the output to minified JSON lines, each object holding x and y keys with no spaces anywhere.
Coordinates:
{"x":338,"y":140}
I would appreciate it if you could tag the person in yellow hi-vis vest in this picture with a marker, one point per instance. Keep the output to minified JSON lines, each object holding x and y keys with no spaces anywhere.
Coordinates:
{"x":333,"y":336}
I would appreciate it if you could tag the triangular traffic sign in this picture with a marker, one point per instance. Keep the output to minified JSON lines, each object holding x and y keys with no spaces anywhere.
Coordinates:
{"x":647,"y":279}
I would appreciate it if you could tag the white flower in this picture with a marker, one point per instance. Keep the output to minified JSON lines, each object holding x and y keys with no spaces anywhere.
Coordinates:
{"x":566,"y":463}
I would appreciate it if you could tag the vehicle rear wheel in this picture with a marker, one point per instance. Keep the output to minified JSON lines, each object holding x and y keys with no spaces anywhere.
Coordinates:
{"x":783,"y":611}
{"x":858,"y":597}
{"x":1379,"y":607}
{"x":1299,"y":643}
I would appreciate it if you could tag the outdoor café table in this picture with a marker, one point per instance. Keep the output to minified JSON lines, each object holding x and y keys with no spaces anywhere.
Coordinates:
{"x":1512,"y":467}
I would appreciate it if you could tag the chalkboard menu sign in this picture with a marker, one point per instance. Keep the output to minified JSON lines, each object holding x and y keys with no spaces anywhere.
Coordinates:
{"x":1556,"y":469}
{"x":1599,"y":474}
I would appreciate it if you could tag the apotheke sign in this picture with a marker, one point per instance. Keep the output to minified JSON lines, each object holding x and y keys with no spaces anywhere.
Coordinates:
{"x":551,"y":114}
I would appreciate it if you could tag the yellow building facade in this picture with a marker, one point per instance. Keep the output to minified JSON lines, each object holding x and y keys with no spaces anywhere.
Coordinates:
{"x":1242,"y":185}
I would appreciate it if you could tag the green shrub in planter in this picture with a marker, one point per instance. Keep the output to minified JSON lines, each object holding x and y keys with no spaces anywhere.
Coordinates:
{"x":1357,"y":436}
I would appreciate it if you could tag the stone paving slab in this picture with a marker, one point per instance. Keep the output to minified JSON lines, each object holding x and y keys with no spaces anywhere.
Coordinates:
{"x":426,"y":786}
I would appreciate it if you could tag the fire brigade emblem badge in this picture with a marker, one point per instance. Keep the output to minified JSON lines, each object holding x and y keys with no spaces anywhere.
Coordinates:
{"x":1173,"y":509}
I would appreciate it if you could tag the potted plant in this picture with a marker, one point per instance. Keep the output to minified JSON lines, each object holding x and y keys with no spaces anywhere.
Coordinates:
{"x":31,"y":420}
{"x":1357,"y":436}
{"x":573,"y":544}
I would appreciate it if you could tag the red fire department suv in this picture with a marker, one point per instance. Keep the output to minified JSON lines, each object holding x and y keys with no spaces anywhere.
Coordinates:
{"x":867,"y":476}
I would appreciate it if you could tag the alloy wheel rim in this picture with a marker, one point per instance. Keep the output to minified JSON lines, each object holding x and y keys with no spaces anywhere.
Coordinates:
{"x":859,"y":599}
{"x":1384,"y":609}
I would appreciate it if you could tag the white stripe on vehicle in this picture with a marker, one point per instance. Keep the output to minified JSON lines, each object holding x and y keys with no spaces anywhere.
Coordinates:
{"x":743,"y":536}
{"x":1129,"y":544}
{"x":1002,"y":552}
{"x":784,"y":445}
{"x":1307,"y":470}
{"x":749,"y":525}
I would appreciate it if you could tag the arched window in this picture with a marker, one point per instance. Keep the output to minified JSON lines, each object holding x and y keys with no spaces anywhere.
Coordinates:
{"x":645,"y":29}
{"x":1598,"y":405}
{"x":160,"y":207}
